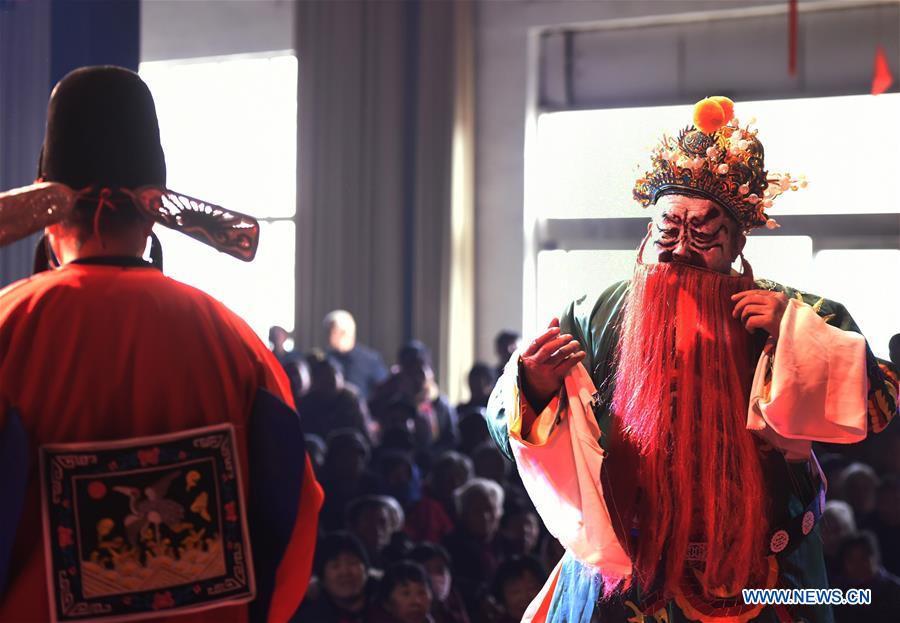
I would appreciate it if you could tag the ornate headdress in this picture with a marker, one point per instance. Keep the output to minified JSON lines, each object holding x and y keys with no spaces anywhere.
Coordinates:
{"x":718,"y":159}
{"x":102,"y":151}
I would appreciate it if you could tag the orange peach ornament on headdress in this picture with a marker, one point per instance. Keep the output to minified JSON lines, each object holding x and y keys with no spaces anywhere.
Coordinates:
{"x":713,"y":113}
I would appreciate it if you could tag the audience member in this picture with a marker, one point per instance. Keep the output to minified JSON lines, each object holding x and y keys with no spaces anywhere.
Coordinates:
{"x":413,"y":382}
{"x":520,"y":527}
{"x":315,"y":448}
{"x":885,"y":523}
{"x":401,"y":414}
{"x":517,"y":581}
{"x":473,"y":431}
{"x":505,"y":344}
{"x":836,"y":525}
{"x":887,"y":454}
{"x":894,"y":350}
{"x":373,"y":519}
{"x":294,"y":365}
{"x":278,"y":339}
{"x":399,"y":477}
{"x":832,"y":464}
{"x":861,"y":568}
{"x":361,"y":366}
{"x":404,"y":595}
{"x":490,"y":463}
{"x":329,"y":404}
{"x":398,"y":549}
{"x":447,"y":605}
{"x":857,"y":485}
{"x":345,"y":475}
{"x":341,"y":593}
{"x":431,"y":519}
{"x":550,"y":551}
{"x":479,"y":507}
{"x":481,"y":383}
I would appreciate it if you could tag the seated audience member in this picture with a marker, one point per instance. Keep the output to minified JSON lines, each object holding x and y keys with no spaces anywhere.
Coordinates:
{"x":401,"y":414}
{"x":481,"y":384}
{"x":341,"y":594}
{"x":399,"y":477}
{"x":344,"y":475}
{"x":292,"y":363}
{"x":505,"y":344}
{"x":885,"y":523}
{"x":490,"y":463}
{"x":837,"y":524}
{"x":298,"y":374}
{"x":447,"y":605}
{"x":431,"y":518}
{"x":888,"y":448}
{"x":516,"y":582}
{"x":857,"y":485}
{"x":550,"y":551}
{"x":315,"y":449}
{"x":329,"y":404}
{"x":894,"y":350}
{"x":397,"y":550}
{"x":404,"y":595}
{"x":473,"y":431}
{"x":373,"y":519}
{"x":861,"y":568}
{"x":832,"y":464}
{"x":278,"y":338}
{"x":520,"y":528}
{"x":413,"y":382}
{"x":479,"y":507}
{"x":361,"y":366}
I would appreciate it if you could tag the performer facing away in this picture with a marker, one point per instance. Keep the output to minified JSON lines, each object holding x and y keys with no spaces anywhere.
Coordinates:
{"x":664,"y":429}
{"x":153,"y":464}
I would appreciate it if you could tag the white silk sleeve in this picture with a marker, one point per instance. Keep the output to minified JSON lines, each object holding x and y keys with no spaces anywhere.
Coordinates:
{"x":813,"y":386}
{"x":559,"y":461}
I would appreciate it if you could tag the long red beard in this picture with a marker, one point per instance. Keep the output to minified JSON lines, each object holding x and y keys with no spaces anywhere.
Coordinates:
{"x":681,"y":395}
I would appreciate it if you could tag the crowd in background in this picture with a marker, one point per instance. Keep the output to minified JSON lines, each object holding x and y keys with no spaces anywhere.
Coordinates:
{"x":425,"y":521}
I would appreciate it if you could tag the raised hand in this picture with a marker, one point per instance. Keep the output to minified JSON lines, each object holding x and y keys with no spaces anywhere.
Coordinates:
{"x":760,"y":309}
{"x":546,"y":362}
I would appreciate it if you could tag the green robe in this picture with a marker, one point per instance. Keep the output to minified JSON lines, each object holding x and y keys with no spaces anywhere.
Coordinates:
{"x":791,"y":484}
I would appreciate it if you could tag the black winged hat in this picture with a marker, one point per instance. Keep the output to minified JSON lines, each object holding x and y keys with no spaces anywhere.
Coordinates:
{"x":102,"y":149}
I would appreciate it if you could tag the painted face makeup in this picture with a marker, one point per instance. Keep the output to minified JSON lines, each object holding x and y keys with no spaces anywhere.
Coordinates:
{"x":695,"y":231}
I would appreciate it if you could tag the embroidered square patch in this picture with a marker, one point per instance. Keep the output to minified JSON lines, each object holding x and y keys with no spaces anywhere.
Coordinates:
{"x":145,"y":527}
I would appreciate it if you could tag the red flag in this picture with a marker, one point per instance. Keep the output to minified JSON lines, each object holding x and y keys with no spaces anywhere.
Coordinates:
{"x":792,"y":37}
{"x":882,"y":78}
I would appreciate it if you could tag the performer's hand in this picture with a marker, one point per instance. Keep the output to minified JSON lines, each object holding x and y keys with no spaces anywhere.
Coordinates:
{"x":546,"y":362}
{"x":760,"y":309}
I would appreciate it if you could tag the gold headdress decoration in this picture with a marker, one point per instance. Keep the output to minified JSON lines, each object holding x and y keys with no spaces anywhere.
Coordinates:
{"x":718,"y":159}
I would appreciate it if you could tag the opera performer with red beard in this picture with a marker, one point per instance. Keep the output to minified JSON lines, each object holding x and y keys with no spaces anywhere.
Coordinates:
{"x":664,"y":429}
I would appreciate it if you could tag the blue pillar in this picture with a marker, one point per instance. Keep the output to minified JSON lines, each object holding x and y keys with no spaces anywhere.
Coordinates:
{"x":40,"y":42}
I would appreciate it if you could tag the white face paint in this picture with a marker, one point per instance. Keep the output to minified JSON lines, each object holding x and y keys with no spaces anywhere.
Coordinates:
{"x":695,"y":231}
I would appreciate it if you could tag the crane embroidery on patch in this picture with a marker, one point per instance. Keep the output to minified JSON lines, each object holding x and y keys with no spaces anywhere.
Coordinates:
{"x":145,"y":526}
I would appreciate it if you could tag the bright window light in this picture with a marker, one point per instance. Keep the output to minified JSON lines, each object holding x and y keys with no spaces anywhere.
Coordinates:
{"x":564,"y":276}
{"x":865,"y":281}
{"x":229,"y":130}
{"x":847,"y":147}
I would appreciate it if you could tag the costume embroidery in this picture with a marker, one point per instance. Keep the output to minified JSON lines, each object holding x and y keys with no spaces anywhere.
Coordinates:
{"x":136,"y":527}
